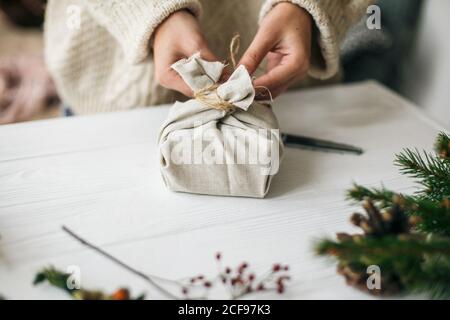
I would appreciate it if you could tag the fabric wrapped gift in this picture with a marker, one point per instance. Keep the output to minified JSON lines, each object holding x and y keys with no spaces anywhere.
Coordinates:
{"x":222,"y":142}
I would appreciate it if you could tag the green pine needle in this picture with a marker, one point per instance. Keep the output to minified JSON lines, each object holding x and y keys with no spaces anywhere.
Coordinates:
{"x":432,"y":172}
{"x":382,"y":196}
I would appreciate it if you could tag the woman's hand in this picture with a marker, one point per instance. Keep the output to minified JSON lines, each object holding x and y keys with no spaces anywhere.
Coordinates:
{"x":178,"y":37}
{"x":284,"y":37}
{"x":25,"y":88}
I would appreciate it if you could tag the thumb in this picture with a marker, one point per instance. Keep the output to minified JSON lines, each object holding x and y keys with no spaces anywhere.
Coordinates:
{"x":257,"y":51}
{"x":207,"y":54}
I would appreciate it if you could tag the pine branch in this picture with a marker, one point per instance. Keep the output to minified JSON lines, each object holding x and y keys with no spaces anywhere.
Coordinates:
{"x":411,"y":258}
{"x":432,"y":172}
{"x":422,"y":165}
{"x":435,"y":278}
{"x":434,"y":216}
{"x":409,"y":263}
{"x":376,"y":250}
{"x":382,"y":196}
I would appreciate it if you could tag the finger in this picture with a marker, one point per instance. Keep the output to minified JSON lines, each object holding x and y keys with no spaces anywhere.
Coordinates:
{"x":257,"y":51}
{"x":5,"y":101}
{"x":207,"y":54}
{"x":34,"y":102}
{"x":166,"y":76}
{"x":9,"y":115}
{"x":264,"y":94}
{"x":283,"y":74}
{"x":174,"y":81}
{"x":12,"y":112}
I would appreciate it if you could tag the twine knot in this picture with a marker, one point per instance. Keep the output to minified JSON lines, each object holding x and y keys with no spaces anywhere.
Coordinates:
{"x":209,"y":95}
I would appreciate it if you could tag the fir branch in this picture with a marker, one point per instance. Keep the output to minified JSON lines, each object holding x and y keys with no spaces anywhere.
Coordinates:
{"x":434,"y":216}
{"x":382,"y":196}
{"x":411,"y":264}
{"x":435,"y":278}
{"x":376,"y":250}
{"x":411,"y":257}
{"x":432,"y":172}
{"x":422,"y":165}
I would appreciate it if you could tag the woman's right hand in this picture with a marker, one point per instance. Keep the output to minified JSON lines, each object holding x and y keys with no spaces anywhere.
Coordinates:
{"x":178,"y":37}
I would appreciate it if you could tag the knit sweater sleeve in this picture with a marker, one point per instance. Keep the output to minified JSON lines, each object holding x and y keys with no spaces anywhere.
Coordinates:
{"x":332,"y":20}
{"x":132,"y":22}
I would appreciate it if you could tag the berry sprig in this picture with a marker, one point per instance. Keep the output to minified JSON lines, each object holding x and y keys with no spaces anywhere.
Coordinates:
{"x":239,"y":281}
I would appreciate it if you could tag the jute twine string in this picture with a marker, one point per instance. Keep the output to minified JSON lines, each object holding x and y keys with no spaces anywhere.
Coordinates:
{"x":209,"y":95}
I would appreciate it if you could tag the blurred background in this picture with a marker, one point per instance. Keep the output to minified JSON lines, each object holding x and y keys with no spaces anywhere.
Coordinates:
{"x":410,"y":54}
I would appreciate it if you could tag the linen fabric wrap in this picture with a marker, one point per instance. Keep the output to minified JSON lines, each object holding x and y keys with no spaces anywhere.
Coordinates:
{"x":207,"y":150}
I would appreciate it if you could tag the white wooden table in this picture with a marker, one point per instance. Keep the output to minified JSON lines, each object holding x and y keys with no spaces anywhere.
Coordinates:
{"x":99,"y":175}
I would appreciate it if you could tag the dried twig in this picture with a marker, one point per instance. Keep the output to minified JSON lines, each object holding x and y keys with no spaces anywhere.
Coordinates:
{"x":140,"y":274}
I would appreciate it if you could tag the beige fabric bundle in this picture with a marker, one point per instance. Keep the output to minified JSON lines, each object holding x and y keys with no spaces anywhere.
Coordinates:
{"x":222,"y":142}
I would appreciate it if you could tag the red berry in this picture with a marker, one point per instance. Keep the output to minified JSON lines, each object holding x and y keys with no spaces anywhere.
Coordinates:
{"x":218,"y":256}
{"x":207,"y":284}
{"x":276,"y":267}
{"x":242,"y":267}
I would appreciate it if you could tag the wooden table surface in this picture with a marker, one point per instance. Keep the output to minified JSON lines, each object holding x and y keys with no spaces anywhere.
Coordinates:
{"x":99,"y":175}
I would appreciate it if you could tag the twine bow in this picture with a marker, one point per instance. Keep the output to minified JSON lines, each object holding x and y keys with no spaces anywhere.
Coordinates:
{"x":209,"y":95}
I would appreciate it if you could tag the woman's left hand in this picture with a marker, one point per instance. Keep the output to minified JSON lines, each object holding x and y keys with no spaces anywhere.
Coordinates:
{"x":284,"y":37}
{"x":26,"y":88}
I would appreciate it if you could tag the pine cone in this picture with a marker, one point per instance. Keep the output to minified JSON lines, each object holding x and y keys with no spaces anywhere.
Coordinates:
{"x":357,"y":277}
{"x":376,"y":223}
{"x":443,"y":146}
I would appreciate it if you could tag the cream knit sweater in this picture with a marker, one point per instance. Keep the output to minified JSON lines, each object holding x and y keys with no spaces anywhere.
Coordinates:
{"x":106,"y":64}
